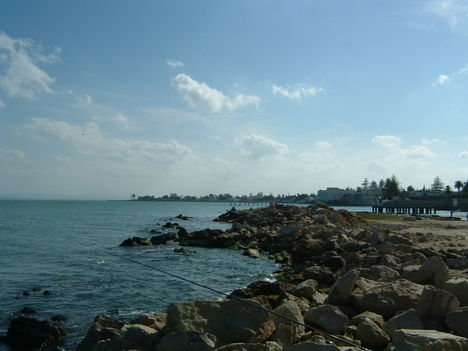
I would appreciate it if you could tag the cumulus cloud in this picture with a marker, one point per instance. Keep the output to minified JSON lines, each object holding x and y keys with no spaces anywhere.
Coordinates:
{"x":431,"y":141}
{"x":453,"y":12}
{"x":89,"y":139}
{"x":203,"y":97}
{"x":393,"y":145}
{"x":257,"y":146}
{"x":441,"y":80}
{"x":118,"y":119}
{"x":174,"y":63}
{"x":387,"y":141}
{"x":297,"y":93}
{"x":19,"y":60}
{"x":12,"y":155}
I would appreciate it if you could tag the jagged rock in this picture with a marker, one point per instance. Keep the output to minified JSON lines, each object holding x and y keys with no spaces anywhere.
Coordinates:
{"x":335,"y":263}
{"x":458,"y":321}
{"x":434,"y":271}
{"x":268,"y":346}
{"x":436,"y":303}
{"x":184,"y":250}
{"x":229,"y":320}
{"x":459,"y":288}
{"x":341,"y":290}
{"x":136,"y":241}
{"x":254,"y":253}
{"x":374,"y":317}
{"x":371,"y":335}
{"x":430,"y":340}
{"x":321,"y":274}
{"x":33,"y":333}
{"x":156,"y":320}
{"x":102,"y":328}
{"x":406,"y":320}
{"x":163,"y":239}
{"x":382,"y":273}
{"x":28,"y":310}
{"x":306,"y":289}
{"x":387,"y":299}
{"x":287,"y":332}
{"x":390,"y":261}
{"x":188,"y":340}
{"x":327,"y":317}
{"x":270,"y":288}
{"x":134,"y":336}
{"x":399,"y":239}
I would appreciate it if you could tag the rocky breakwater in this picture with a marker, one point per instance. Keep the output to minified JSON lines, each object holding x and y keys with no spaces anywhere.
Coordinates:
{"x":340,"y":276}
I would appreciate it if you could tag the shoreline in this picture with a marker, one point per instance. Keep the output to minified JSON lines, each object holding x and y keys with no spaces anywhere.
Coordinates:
{"x":318,"y":247}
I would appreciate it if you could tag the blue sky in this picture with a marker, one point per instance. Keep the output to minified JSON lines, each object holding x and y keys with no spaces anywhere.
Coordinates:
{"x":101,"y":99}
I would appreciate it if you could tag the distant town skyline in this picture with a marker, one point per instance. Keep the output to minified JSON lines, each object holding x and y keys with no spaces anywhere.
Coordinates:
{"x":102,"y":100}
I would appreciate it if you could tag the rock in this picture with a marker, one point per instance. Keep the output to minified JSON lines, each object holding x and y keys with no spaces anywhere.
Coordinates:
{"x":312,"y":346}
{"x":33,"y":333}
{"x":335,"y":263}
{"x":327,"y":317}
{"x":387,"y":299}
{"x":268,"y":346}
{"x":406,"y":320}
{"x":287,"y":332}
{"x":28,"y":310}
{"x":436,"y":303}
{"x":321,"y":274}
{"x":289,"y":230}
{"x":306,"y":289}
{"x":430,"y":340}
{"x":184,"y":250}
{"x":163,"y":239}
{"x":59,"y":318}
{"x":254,"y":253}
{"x":399,"y":239}
{"x":136,"y":241}
{"x":182,"y":217}
{"x":371,"y":335}
{"x":341,"y":290}
{"x":103,"y":328}
{"x":229,"y":320}
{"x":458,"y":321}
{"x":434,"y":271}
{"x":374,"y":317}
{"x":459,"y":288}
{"x":382,"y":273}
{"x":156,"y":321}
{"x":140,"y":336}
{"x":188,"y":340}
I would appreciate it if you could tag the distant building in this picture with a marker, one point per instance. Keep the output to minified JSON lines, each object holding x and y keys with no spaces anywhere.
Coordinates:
{"x":333,"y":194}
{"x":348,"y":196}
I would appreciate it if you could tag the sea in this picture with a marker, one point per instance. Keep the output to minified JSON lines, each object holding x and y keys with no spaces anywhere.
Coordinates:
{"x":62,"y":258}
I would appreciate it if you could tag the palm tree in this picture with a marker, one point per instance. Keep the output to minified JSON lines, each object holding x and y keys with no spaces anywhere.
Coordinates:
{"x":458,"y":185}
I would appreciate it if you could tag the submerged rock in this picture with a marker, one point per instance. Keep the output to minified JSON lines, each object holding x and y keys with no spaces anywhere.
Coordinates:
{"x":33,"y":333}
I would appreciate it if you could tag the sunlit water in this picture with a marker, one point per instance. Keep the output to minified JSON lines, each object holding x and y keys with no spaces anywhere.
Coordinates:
{"x":50,"y":245}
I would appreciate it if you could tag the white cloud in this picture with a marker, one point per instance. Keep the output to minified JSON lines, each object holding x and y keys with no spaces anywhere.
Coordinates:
{"x":12,"y":155}
{"x":174,"y":63}
{"x":453,"y":12}
{"x":323,"y":145}
{"x":22,"y":77}
{"x":89,"y":139}
{"x":463,"y":70}
{"x":387,"y":141}
{"x":296,"y":93}
{"x":118,"y":119}
{"x":257,"y":146}
{"x":418,"y":152}
{"x":2,"y":104}
{"x":431,"y":141}
{"x":201,"y":96}
{"x":441,"y":80}
{"x":464,"y":154}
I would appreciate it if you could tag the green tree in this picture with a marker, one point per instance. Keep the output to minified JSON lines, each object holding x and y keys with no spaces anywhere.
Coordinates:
{"x":409,"y":188}
{"x":391,"y":188}
{"x":465,"y":187}
{"x":448,"y":189}
{"x":365,"y":184}
{"x":459,"y":185}
{"x":437,"y":185}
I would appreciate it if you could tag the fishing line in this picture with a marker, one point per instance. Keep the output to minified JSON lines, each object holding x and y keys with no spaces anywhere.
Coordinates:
{"x":244,"y":301}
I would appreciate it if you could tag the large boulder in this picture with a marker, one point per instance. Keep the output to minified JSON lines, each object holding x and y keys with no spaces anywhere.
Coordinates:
{"x":321,"y":274}
{"x":406,"y":320}
{"x":306,"y":289}
{"x":430,"y":340}
{"x":341,"y":290}
{"x":435,"y":303}
{"x":387,"y":299}
{"x":103,"y":328}
{"x":458,"y":321}
{"x":374,"y":317}
{"x":434,"y":271}
{"x":327,"y":317}
{"x":188,"y":340}
{"x":371,"y":335}
{"x":312,"y":346}
{"x":230,"y":321}
{"x":268,"y":346}
{"x":286,"y":331}
{"x":459,"y":288}
{"x":33,"y":333}
{"x":136,"y":241}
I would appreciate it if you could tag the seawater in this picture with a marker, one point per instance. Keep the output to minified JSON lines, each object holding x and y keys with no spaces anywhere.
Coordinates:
{"x":51,"y":245}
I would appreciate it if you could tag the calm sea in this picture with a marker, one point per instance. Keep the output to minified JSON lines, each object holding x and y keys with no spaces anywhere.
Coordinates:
{"x":48,"y":245}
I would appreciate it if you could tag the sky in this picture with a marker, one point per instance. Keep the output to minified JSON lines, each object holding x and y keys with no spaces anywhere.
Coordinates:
{"x":103,"y":99}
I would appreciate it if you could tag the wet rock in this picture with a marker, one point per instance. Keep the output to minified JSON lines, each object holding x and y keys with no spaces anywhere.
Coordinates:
{"x":170,"y":225}
{"x":430,"y":340}
{"x":341,"y":290}
{"x":268,"y":346}
{"x":459,"y":288}
{"x":458,"y":321}
{"x":229,"y":320}
{"x":327,"y":317}
{"x":254,"y":253}
{"x":184,"y":250}
{"x":103,"y":328}
{"x":163,"y":239}
{"x":136,"y":241}
{"x":59,"y":318}
{"x":33,"y":333}
{"x":47,"y":293}
{"x":28,"y":310}
{"x":436,"y":303}
{"x":371,"y":335}
{"x":182,"y":217}
{"x":406,"y":320}
{"x":387,"y":299}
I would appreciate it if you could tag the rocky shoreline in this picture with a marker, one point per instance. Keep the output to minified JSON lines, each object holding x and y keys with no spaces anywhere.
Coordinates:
{"x":371,"y":286}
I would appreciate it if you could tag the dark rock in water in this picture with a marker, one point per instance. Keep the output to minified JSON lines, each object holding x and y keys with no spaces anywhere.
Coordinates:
{"x":184,"y":250}
{"x":136,"y":241}
{"x":36,"y":289}
{"x":33,"y":333}
{"x":47,"y":293}
{"x":28,"y":310}
{"x":59,"y":318}
{"x":163,"y":239}
{"x":182,"y":217}
{"x":26,"y":293}
{"x":170,"y":225}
